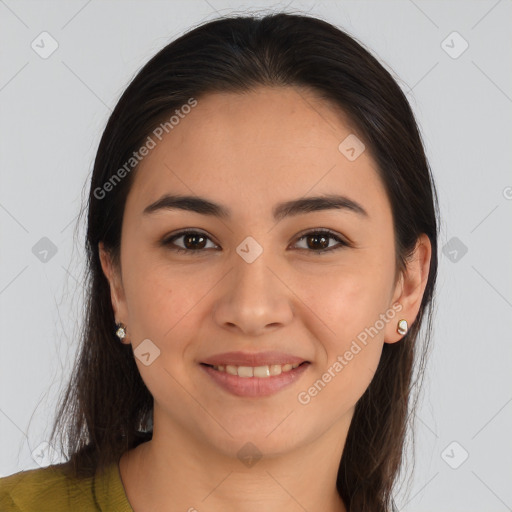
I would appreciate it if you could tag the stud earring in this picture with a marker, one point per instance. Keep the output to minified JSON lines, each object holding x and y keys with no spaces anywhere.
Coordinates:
{"x":121,"y":331}
{"x":402,"y":327}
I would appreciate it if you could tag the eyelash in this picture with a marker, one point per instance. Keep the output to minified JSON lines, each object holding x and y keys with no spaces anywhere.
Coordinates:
{"x":325,"y":232}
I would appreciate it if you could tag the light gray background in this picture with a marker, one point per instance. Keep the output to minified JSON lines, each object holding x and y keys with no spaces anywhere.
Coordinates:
{"x":53,"y":111}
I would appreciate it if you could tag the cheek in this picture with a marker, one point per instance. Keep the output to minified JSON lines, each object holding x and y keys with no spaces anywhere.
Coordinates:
{"x":349,"y":299}
{"x":162,"y":303}
{"x":349,"y":350}
{"x":348,"y":322}
{"x":158,"y":296}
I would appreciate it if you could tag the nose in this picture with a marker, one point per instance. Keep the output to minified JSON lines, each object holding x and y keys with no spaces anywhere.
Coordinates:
{"x":255,"y":297}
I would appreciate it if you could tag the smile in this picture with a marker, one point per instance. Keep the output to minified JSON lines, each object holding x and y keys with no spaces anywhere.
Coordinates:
{"x":255,"y":381}
{"x":261,"y":372}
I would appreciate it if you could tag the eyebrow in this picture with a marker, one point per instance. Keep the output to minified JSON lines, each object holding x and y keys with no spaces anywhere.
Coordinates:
{"x":281,"y":210}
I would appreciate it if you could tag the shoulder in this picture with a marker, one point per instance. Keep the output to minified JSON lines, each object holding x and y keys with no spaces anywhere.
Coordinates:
{"x":44,"y":490}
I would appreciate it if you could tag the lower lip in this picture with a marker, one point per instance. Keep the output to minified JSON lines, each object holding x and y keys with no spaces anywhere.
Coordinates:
{"x":254,"y":386}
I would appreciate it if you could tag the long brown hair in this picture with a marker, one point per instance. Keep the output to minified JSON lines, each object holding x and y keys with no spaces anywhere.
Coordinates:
{"x":106,"y":408}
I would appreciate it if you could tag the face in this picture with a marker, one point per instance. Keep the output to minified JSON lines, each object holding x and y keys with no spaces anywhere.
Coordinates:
{"x":250,"y":282}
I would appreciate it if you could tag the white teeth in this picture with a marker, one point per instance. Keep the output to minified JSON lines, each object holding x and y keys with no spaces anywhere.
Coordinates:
{"x":232,"y":370}
{"x":261,"y":372}
{"x":275,"y":369}
{"x":245,"y":371}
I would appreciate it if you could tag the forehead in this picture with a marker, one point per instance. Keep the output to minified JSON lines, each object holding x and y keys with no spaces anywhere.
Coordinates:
{"x":252,"y":148}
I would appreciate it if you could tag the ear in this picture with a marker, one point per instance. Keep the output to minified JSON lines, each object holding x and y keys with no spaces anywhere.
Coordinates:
{"x":112,"y":273}
{"x":410,"y":287}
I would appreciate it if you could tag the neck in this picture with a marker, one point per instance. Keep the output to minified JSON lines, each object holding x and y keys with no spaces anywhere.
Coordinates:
{"x":175,"y":472}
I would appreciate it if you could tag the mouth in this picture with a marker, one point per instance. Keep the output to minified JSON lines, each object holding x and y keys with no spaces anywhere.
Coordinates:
{"x":254,"y":381}
{"x":260,"y":372}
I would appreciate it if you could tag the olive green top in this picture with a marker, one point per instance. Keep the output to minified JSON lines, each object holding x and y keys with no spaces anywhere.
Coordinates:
{"x":48,"y":489}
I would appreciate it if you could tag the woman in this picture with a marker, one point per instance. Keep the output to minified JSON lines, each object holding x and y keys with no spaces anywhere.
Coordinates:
{"x":262,"y":252}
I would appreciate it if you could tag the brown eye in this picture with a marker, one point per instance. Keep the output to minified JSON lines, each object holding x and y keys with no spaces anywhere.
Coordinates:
{"x":193,"y":242}
{"x":318,"y":241}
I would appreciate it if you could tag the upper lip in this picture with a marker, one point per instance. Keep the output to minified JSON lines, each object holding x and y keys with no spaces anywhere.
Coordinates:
{"x":253,"y":359}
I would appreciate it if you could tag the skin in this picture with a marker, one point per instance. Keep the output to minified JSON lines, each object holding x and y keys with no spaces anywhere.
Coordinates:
{"x":229,"y":149}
